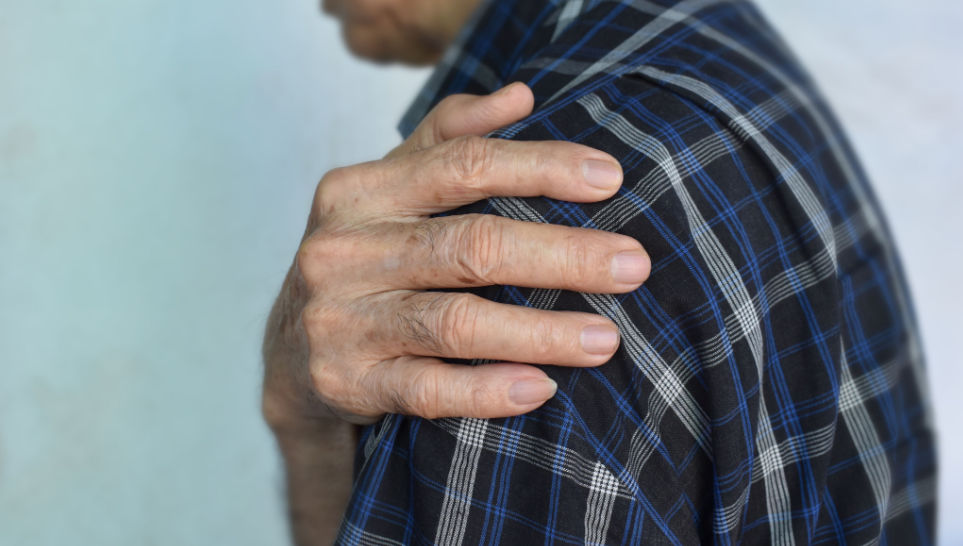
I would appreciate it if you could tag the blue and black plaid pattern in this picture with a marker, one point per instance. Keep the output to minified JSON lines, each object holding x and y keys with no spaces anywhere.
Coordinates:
{"x":769,"y":388}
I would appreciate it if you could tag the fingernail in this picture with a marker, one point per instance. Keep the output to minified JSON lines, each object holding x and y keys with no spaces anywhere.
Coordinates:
{"x":531,"y":391}
{"x":601,"y":174}
{"x":630,"y":267}
{"x":599,"y":340}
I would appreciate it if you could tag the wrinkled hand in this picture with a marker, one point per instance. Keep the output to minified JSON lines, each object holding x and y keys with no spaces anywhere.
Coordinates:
{"x":360,"y":329}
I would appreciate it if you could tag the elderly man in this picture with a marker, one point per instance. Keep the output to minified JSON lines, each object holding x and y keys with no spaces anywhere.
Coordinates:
{"x":475,"y":299}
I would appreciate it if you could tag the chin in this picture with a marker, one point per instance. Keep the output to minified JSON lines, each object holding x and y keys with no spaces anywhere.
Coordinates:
{"x":407,"y":51}
{"x":388,"y":57}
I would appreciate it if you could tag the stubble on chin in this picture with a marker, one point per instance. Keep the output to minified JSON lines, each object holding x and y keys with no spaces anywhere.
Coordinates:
{"x":412,"y":32}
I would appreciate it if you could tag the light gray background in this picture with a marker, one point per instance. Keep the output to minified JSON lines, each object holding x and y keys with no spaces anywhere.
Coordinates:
{"x":156,"y":161}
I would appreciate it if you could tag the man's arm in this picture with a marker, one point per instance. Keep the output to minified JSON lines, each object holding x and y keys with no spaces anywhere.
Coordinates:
{"x":318,"y":470}
{"x":317,"y":450}
{"x":764,"y":390}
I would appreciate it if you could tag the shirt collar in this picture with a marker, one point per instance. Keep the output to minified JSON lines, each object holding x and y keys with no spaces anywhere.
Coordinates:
{"x":498,"y":37}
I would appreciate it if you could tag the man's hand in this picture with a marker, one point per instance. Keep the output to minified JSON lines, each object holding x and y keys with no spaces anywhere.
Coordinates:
{"x":357,"y":330}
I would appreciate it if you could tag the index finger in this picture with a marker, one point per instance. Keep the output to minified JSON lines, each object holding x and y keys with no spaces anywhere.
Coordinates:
{"x":468,"y":169}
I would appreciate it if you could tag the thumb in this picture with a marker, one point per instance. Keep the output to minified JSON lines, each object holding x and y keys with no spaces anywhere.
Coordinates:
{"x":461,"y":115}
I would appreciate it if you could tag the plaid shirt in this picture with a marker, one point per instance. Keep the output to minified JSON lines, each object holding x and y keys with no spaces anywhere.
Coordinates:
{"x":769,"y":388}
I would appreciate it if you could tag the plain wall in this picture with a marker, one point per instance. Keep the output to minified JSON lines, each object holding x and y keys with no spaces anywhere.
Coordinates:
{"x":156,"y":162}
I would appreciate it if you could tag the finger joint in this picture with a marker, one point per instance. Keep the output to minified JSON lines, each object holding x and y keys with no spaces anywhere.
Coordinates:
{"x":480,"y":249}
{"x":469,"y":158}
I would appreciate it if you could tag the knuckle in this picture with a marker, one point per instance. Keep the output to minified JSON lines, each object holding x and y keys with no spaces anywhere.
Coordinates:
{"x":305,"y":259}
{"x":396,"y":401}
{"x":327,"y":383}
{"x":316,"y":254}
{"x":577,"y":262}
{"x":542,"y":339}
{"x":423,"y":396}
{"x":479,"y":397}
{"x":426,"y":234}
{"x":457,"y":324}
{"x":330,"y":190}
{"x":317,"y":319}
{"x":480,"y":248}
{"x":333,"y":327}
{"x":336,"y":190}
{"x":415,"y":325}
{"x":411,"y":391}
{"x":469,"y":158}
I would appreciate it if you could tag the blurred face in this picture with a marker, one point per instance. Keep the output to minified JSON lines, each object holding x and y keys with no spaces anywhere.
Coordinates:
{"x":407,"y":31}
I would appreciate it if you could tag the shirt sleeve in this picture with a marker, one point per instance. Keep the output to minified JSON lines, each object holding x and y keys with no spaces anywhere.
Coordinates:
{"x":716,"y":418}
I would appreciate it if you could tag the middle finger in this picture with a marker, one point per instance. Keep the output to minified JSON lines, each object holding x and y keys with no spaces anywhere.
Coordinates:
{"x":481,"y":250}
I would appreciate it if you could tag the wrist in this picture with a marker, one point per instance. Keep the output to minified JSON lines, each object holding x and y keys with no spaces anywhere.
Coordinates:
{"x":288,"y":406}
{"x":289,"y":413}
{"x":307,"y":441}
